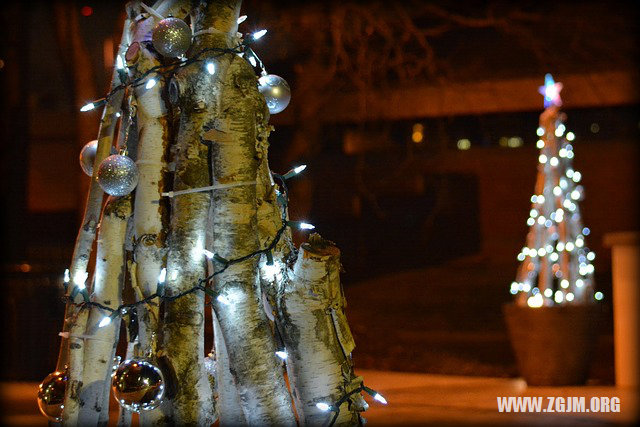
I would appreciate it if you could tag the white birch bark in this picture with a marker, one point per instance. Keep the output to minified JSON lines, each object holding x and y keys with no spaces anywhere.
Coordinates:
{"x":101,"y":342}
{"x":72,"y":349}
{"x":317,"y":337}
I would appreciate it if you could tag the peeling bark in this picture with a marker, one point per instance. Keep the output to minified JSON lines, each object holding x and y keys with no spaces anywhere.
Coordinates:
{"x":100,"y":344}
{"x":317,"y":336}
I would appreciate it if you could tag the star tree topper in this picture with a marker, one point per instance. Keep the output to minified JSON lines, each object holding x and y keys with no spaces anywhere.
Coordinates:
{"x":551,"y":91}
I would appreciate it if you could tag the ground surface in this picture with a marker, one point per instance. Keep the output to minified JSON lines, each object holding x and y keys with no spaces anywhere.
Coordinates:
{"x":416,"y":399}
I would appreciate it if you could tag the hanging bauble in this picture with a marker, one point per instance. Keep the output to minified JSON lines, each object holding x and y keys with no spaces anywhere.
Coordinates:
{"x":51,"y":395}
{"x":118,"y":175}
{"x":276,"y":92}
{"x":171,"y":37}
{"x":88,"y":156}
{"x":138,"y":385}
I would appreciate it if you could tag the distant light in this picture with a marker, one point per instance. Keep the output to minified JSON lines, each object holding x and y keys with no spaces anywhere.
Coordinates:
{"x":88,"y":107}
{"x":323,"y":406}
{"x":594,"y":128}
{"x":542,"y":158}
{"x":282,"y":354}
{"x":463,"y":144}
{"x":242,"y":19}
{"x":211,"y":68}
{"x":575,"y":194}
{"x":579,"y":283}
{"x":598,"y":295}
{"x":531,"y":221}
{"x":258,"y":34}
{"x":557,"y":191}
{"x":591,"y":256}
{"x":576,"y":176}
{"x":564,"y":283}
{"x":535,"y":301}
{"x":548,"y":293}
{"x":118,"y":114}
{"x":553,"y":161}
{"x":380,"y":398}
{"x":569,"y":297}
{"x":570,"y":136}
{"x":104,"y":322}
{"x":514,"y":141}
{"x":150,"y":83}
{"x":86,"y":11}
{"x":586,"y":231}
{"x":558,"y":297}
{"x":300,"y":168}
{"x":306,"y":226}
{"x":540,"y":131}
{"x":540,"y":143}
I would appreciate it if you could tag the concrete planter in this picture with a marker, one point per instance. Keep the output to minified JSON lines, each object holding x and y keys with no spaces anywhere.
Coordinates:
{"x":553,"y":345}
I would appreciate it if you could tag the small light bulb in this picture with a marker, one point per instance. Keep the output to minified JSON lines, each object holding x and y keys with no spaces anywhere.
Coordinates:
{"x":258,"y":34}
{"x":119,"y":62}
{"x":162,"y":276}
{"x":569,"y":297}
{"x":548,"y":293}
{"x":79,"y":278}
{"x":150,"y":83}
{"x":380,"y":398}
{"x":224,"y":300}
{"x":323,"y":406}
{"x":88,"y":107}
{"x":282,"y":354}
{"x":118,"y":114}
{"x":252,"y":61}
{"x":242,"y":19}
{"x":558,"y":297}
{"x":540,"y":131}
{"x":540,"y":143}
{"x":570,"y":136}
{"x":208,"y":253}
{"x":306,"y":226}
{"x":104,"y":322}
{"x":300,"y":168}
{"x":535,"y":301}
{"x":564,"y":283}
{"x":598,"y":296}
{"x":542,"y":158}
{"x":67,"y":278}
{"x":591,"y":256}
{"x":211,"y":68}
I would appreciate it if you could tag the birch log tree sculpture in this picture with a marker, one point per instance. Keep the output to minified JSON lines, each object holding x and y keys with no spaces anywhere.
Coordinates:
{"x":207,"y":217}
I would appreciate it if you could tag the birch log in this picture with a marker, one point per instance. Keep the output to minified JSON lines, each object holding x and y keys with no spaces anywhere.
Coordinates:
{"x":72,"y":349}
{"x":317,"y":336}
{"x":101,"y":342}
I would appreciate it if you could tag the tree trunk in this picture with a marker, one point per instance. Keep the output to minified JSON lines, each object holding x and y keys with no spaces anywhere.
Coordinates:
{"x":101,"y":342}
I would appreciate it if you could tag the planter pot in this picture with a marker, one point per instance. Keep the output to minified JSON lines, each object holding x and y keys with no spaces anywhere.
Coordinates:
{"x":553,"y":345}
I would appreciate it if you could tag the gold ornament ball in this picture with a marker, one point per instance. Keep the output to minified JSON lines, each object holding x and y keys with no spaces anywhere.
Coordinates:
{"x":138,"y":385}
{"x":51,"y":395}
{"x":171,"y":37}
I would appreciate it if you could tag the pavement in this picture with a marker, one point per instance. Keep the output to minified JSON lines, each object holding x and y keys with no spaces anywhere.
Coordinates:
{"x":420,"y":399}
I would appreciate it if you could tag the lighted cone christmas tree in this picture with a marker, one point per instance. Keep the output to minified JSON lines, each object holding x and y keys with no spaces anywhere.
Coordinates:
{"x":556,"y":265}
{"x":194,"y":210}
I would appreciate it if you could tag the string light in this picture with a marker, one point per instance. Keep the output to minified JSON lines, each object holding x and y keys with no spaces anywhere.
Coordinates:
{"x":162,"y":276}
{"x":242,"y":19}
{"x":119,"y":62}
{"x":79,"y":279}
{"x":282,"y":354}
{"x":598,"y":296}
{"x":210,"y":67}
{"x":258,"y":34}
{"x":208,"y":253}
{"x":150,"y":83}
{"x":323,"y":406}
{"x":104,"y":322}
{"x":66,"y":277}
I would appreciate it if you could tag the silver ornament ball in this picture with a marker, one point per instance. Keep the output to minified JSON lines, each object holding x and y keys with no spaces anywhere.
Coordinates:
{"x":171,"y":37}
{"x":138,"y":385}
{"x":276,"y":92}
{"x":88,"y":156}
{"x":51,"y":395}
{"x":118,"y":175}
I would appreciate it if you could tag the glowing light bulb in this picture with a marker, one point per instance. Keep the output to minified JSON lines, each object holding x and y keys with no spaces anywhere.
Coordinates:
{"x":531,"y":221}
{"x":323,"y":406}
{"x":66,"y":277}
{"x":540,"y":143}
{"x":576,"y":176}
{"x":242,"y":19}
{"x":380,"y":398}
{"x":211,"y":68}
{"x":569,"y":297}
{"x":564,"y":283}
{"x":541,"y":220}
{"x":224,"y":300}
{"x":570,"y":136}
{"x":253,"y":61}
{"x":562,"y":152}
{"x":569,"y":246}
{"x":88,"y":107}
{"x":553,"y":161}
{"x":535,"y":301}
{"x":150,"y":83}
{"x":586,"y":231}
{"x":591,"y":256}
{"x":560,"y":246}
{"x":104,"y":322}
{"x":533,"y":213}
{"x":540,"y":131}
{"x":542,"y":252}
{"x":208,"y":253}
{"x":558,"y":297}
{"x":79,"y":278}
{"x":162,"y":276}
{"x":540,"y":198}
{"x":119,"y":62}
{"x":575,"y":194}
{"x":579,"y":283}
{"x":598,"y":296}
{"x":542,"y":158}
{"x":258,"y":34}
{"x":300,"y":168}
{"x":569,"y":173}
{"x":557,"y":191}
{"x":553,"y":257}
{"x":548,"y":293}
{"x":282,"y":354}
{"x":306,"y":226}
{"x":521,"y":257}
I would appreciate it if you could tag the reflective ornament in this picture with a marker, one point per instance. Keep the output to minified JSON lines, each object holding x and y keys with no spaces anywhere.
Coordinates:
{"x":118,"y":175}
{"x":51,"y":395}
{"x":138,"y":385}
{"x":88,"y":156}
{"x":276,"y":92}
{"x":171,"y":37}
